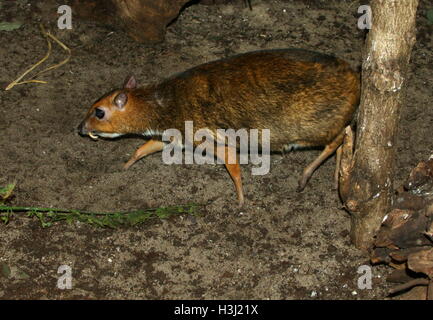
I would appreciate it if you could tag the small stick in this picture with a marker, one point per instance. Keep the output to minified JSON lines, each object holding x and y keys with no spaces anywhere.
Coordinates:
{"x":409,"y":284}
{"x":58,"y":64}
{"x":16,"y":82}
{"x":61,"y":44}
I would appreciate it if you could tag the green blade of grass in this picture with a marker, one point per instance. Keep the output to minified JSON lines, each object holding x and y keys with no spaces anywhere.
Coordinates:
{"x":9,"y":26}
{"x":48,"y":216}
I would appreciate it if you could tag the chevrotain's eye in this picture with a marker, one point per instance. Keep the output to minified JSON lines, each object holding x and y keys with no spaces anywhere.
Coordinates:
{"x":99,"y":113}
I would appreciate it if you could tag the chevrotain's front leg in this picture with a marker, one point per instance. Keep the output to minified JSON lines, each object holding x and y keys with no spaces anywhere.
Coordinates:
{"x":149,"y":147}
{"x":229,"y":156}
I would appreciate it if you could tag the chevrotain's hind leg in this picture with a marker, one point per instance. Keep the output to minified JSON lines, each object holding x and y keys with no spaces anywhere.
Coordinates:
{"x":233,"y":168}
{"x":149,"y":147}
{"x":329,"y":150}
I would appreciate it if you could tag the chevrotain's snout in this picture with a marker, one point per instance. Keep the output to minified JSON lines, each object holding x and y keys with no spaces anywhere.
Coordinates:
{"x":82,"y":129}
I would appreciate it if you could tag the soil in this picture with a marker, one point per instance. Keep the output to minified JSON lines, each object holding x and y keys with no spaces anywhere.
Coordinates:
{"x":281,"y":245}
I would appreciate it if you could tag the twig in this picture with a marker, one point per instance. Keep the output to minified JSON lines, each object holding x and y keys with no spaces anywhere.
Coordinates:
{"x":409,"y":284}
{"x":60,"y":63}
{"x":16,"y":82}
{"x":47,"y":35}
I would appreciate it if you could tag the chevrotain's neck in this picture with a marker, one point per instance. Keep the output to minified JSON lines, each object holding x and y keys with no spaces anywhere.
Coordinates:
{"x":152,"y":113}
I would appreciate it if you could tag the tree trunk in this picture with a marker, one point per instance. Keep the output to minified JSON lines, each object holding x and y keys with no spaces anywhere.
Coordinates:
{"x":384,"y":75}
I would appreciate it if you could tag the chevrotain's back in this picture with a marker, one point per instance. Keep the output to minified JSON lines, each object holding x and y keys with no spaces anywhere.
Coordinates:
{"x":303,"y":97}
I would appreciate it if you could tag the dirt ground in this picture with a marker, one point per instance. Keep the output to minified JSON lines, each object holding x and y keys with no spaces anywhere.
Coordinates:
{"x":281,"y":245}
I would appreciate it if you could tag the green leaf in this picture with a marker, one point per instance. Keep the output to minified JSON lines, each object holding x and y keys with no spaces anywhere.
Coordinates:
{"x":21,"y":275}
{"x":5,"y":217}
{"x":6,"y":192}
{"x":5,"y":269}
{"x":430,"y":16}
{"x":9,"y":26}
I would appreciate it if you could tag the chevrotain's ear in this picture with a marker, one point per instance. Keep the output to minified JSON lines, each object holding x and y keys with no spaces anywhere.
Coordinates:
{"x":130,"y":82}
{"x":121,"y":100}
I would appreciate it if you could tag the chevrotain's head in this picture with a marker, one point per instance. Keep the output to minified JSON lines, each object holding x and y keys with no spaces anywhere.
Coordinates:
{"x":110,"y":116}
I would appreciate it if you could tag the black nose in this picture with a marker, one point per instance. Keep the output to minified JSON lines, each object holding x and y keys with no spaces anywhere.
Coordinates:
{"x":82,"y":129}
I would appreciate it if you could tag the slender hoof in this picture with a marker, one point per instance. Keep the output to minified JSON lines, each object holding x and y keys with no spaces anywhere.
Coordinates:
{"x":241,"y":201}
{"x":301,"y":185}
{"x":127,"y":165}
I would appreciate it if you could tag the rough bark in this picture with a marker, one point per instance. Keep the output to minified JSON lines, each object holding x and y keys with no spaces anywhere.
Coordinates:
{"x":385,"y":66}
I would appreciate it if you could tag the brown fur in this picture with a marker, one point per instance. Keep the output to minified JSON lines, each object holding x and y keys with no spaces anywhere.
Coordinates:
{"x":304,"y":98}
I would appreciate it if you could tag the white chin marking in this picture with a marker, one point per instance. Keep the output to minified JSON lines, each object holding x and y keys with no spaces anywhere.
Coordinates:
{"x":109,"y":135}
